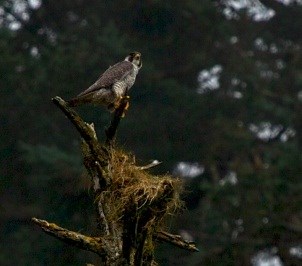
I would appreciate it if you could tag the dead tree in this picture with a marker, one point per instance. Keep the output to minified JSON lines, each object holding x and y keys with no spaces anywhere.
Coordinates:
{"x":131,"y":203}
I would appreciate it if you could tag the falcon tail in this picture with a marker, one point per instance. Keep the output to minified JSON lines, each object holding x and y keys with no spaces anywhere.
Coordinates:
{"x":73,"y":102}
{"x":78,"y":101}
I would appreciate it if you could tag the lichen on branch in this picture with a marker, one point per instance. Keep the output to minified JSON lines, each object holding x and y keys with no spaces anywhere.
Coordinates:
{"x":132,"y":204}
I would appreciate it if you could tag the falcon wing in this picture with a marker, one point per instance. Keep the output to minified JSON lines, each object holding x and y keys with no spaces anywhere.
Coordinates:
{"x":111,"y":75}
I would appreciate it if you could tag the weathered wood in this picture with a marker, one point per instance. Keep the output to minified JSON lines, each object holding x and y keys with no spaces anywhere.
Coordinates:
{"x":130,"y":203}
{"x":117,"y":116}
{"x":150,"y":165}
{"x":94,"y":244}
{"x":99,"y":152}
{"x":176,"y":240}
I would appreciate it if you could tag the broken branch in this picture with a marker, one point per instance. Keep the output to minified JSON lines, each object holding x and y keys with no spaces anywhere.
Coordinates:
{"x":150,"y":165}
{"x":176,"y":240}
{"x":98,"y":151}
{"x":118,"y":115}
{"x":93,"y":244}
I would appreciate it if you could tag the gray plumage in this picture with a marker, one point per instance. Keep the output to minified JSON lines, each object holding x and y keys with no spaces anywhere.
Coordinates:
{"x":112,"y":84}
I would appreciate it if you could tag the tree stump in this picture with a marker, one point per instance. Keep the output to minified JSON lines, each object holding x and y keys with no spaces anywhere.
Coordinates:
{"x":131,"y":203}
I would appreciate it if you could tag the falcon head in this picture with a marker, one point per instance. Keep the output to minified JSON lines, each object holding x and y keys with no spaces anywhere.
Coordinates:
{"x":135,"y":58}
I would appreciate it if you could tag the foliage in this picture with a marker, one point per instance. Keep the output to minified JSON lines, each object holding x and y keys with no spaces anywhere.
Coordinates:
{"x":246,"y":132}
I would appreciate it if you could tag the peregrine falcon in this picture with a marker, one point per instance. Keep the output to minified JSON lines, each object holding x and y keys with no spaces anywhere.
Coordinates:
{"x":112,"y":85}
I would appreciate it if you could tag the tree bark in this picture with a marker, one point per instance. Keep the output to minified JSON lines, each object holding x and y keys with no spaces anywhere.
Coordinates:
{"x":131,"y":204}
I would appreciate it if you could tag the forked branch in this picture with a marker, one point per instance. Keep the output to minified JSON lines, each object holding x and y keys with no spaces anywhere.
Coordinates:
{"x":131,"y":203}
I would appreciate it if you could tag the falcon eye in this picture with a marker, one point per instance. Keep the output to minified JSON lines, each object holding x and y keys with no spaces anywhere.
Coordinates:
{"x":137,"y":57}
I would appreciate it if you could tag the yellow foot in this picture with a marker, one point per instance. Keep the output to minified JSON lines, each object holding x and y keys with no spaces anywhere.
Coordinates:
{"x":119,"y":101}
{"x":124,"y":100}
{"x":125,"y":109}
{"x":126,"y":106}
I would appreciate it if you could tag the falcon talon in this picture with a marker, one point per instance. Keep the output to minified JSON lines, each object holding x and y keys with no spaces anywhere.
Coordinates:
{"x":127,"y":106}
{"x":117,"y":105}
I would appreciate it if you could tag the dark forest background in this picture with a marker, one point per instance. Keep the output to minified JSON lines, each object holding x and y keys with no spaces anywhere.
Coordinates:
{"x":218,"y":101}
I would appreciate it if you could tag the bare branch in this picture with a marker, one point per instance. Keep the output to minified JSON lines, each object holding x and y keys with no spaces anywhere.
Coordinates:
{"x":130,"y":203}
{"x":98,"y":151}
{"x":118,"y":114}
{"x":176,"y":240}
{"x":99,"y":183}
{"x":102,"y":220}
{"x":150,"y":165}
{"x":94,"y":244}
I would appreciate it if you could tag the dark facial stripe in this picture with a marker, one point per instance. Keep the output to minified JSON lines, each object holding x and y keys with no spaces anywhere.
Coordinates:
{"x":132,"y":55}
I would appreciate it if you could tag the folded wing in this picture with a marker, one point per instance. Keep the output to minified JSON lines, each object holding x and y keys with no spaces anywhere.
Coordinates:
{"x":109,"y":77}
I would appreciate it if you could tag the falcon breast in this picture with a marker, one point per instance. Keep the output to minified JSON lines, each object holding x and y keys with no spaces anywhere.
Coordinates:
{"x":113,"y":84}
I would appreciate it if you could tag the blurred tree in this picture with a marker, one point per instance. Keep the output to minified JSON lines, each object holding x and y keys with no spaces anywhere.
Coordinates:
{"x":220,"y":87}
